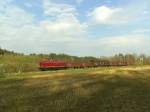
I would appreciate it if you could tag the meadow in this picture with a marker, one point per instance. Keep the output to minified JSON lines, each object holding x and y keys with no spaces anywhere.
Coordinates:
{"x":124,"y":89}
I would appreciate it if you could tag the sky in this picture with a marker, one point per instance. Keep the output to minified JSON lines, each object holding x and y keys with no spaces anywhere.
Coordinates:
{"x":75,"y":27}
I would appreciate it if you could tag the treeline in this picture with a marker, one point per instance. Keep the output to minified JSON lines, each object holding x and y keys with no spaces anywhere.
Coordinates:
{"x":5,"y":52}
{"x":132,"y":59}
{"x":17,"y":62}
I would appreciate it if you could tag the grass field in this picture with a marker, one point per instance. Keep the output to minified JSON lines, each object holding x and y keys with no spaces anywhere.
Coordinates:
{"x":125,"y":89}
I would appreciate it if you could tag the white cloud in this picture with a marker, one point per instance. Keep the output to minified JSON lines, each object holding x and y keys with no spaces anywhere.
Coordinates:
{"x":66,"y":28}
{"x":146,"y":30}
{"x":65,"y":25}
{"x":131,"y":43}
{"x":53,"y":9}
{"x":104,"y":14}
{"x":20,"y":32}
{"x":14,"y":16}
{"x":125,"y":40}
{"x":109,"y":45}
{"x":134,"y":11}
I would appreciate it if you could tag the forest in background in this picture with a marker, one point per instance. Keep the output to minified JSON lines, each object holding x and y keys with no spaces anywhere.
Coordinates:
{"x":12,"y":62}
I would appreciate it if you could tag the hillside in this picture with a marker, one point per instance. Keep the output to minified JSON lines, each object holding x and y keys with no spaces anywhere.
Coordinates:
{"x":11,"y":62}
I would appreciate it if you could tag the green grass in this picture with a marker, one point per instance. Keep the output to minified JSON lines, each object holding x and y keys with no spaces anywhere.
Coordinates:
{"x":81,"y":90}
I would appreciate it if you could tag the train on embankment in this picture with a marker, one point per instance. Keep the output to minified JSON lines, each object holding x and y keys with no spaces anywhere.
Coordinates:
{"x":59,"y":64}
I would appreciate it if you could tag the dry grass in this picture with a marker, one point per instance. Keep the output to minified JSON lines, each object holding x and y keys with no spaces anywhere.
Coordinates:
{"x":89,"y":90}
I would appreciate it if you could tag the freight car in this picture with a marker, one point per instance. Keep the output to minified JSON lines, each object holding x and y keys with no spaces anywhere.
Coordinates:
{"x":55,"y":64}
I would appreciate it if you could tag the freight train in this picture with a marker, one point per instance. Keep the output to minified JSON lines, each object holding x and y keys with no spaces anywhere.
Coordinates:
{"x":57,"y":64}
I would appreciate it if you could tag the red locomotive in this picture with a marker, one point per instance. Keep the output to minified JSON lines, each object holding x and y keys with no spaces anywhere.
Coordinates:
{"x":52,"y":64}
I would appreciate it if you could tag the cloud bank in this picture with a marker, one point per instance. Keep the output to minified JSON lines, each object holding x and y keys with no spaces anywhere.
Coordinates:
{"x":62,"y":31}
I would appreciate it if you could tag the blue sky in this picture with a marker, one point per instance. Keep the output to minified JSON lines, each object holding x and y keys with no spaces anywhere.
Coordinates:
{"x":76,"y":27}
